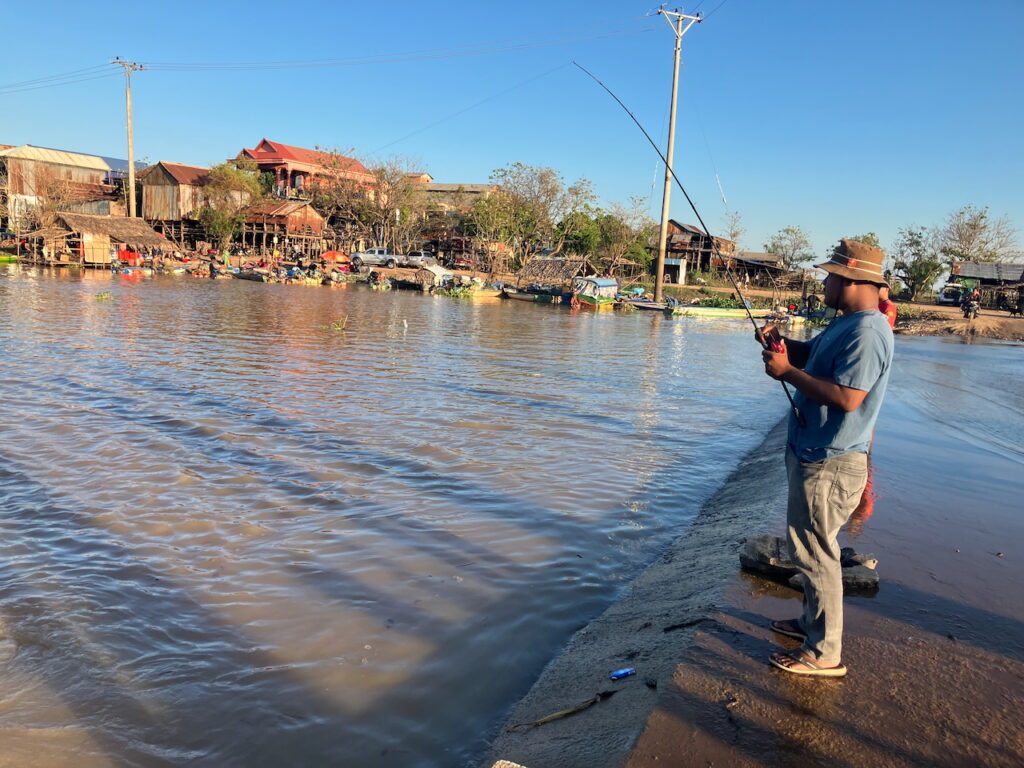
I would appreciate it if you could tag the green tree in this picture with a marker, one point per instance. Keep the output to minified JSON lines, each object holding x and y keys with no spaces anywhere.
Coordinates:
{"x":916,"y":261}
{"x":970,"y":234}
{"x":538,"y":208}
{"x":584,"y":233}
{"x":228,"y":189}
{"x":792,"y":244}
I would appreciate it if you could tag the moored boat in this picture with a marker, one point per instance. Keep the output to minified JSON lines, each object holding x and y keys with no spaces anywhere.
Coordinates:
{"x":594,"y":292}
{"x":540,"y":298}
{"x":695,"y":310}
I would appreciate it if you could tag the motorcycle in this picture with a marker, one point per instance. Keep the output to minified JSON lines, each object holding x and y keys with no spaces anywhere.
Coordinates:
{"x":970,"y":308}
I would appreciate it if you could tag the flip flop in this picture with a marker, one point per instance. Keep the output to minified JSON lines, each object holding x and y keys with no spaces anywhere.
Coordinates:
{"x":785,"y":627}
{"x":814,"y":669}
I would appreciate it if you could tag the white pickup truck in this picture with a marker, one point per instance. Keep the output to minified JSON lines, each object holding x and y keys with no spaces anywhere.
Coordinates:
{"x":376,"y":257}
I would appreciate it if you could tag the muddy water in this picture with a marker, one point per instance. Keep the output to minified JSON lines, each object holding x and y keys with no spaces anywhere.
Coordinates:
{"x":234,"y":534}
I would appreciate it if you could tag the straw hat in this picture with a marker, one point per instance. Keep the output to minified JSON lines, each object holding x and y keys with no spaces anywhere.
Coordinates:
{"x":857,"y":261}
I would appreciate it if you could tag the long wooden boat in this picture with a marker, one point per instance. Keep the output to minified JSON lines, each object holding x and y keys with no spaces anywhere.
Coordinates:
{"x":650,"y":306}
{"x":540,"y":298}
{"x":695,"y":310}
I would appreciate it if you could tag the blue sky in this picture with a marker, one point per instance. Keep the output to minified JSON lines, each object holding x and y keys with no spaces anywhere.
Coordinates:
{"x":837,"y":117}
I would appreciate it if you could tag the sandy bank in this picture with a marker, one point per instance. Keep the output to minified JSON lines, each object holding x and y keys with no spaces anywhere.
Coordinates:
{"x":936,"y":657}
{"x":949,"y":321}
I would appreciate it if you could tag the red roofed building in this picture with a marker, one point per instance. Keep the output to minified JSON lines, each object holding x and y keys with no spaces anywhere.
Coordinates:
{"x":296,"y":169}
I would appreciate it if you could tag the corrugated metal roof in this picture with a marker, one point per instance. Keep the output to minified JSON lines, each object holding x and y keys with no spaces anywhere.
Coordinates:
{"x":57,"y":157}
{"x":1007,"y":273}
{"x":183,"y":174}
{"x":277,"y":207}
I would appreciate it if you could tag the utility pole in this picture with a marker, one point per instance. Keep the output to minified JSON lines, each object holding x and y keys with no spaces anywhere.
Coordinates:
{"x":680,"y":23}
{"x":129,"y":67}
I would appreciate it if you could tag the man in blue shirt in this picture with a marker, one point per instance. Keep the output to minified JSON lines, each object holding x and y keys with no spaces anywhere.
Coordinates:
{"x":840,"y":378}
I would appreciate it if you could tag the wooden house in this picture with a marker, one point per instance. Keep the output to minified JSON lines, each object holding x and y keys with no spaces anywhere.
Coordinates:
{"x":80,"y":238}
{"x":691,"y":249}
{"x":285,"y":225}
{"x":297,"y":170}
{"x":172,"y":191}
{"x":37,"y":177}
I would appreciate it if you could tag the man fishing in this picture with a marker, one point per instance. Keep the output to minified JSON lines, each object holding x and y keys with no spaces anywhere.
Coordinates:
{"x":840,"y":379}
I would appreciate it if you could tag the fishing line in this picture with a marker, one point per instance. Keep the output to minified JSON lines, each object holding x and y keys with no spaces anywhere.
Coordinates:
{"x":714,"y":243}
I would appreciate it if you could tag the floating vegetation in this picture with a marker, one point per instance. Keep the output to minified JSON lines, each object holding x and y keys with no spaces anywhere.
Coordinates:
{"x":105,"y":296}
{"x":339,"y":325}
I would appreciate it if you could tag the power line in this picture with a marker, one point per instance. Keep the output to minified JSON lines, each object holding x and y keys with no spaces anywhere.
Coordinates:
{"x":471,"y":107}
{"x":713,"y":10}
{"x":10,"y":91}
{"x":62,"y":76}
{"x":384,"y":58}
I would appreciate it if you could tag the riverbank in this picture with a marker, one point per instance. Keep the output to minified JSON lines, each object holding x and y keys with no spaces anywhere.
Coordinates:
{"x":934,"y":320}
{"x":936,"y":657}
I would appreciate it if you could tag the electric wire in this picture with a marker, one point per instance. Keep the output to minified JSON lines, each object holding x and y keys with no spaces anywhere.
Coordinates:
{"x":472,"y":106}
{"x":57,"y":84}
{"x":386,"y":58}
{"x":62,"y":76}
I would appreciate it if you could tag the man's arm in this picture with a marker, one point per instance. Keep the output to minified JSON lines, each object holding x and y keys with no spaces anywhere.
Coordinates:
{"x":779,"y":365}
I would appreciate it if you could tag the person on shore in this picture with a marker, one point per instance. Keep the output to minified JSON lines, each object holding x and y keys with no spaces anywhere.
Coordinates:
{"x":840,"y":379}
{"x":887,"y":306}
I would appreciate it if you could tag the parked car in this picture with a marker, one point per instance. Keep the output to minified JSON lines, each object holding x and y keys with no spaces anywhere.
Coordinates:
{"x":419,"y":259}
{"x":375,"y":257}
{"x":949,"y":294}
{"x":460,"y":261}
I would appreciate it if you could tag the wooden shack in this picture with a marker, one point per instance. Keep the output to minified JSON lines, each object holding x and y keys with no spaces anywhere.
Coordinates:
{"x":37,"y":177}
{"x":285,"y":225}
{"x":80,"y":238}
{"x":690,"y":249}
{"x":172,"y":194}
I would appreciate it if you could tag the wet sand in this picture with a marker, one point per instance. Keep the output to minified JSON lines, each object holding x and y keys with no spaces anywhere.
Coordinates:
{"x":936,"y":657}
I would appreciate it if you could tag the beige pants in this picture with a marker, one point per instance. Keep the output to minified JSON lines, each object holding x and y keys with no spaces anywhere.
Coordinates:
{"x":822,"y":496}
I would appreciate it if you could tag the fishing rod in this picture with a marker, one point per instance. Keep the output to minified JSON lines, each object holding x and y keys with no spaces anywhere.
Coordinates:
{"x":775,"y":345}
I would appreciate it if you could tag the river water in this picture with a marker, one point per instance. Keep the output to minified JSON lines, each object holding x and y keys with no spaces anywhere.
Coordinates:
{"x":234,"y":532}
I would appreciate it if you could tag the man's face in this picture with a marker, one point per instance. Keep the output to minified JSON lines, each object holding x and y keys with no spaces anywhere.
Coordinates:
{"x":833,"y":290}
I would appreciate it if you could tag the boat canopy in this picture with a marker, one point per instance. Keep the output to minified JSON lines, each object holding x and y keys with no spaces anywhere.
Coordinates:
{"x":596,"y":286}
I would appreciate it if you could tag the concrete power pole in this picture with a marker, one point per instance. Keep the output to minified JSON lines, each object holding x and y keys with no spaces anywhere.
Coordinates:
{"x":680,"y":23}
{"x":129,"y":67}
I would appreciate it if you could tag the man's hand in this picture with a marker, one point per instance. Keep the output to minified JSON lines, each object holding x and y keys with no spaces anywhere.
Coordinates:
{"x":776,"y":364}
{"x":767,"y":334}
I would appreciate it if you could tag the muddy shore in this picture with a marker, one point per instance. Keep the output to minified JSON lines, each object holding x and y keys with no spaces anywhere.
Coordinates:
{"x":936,"y":656}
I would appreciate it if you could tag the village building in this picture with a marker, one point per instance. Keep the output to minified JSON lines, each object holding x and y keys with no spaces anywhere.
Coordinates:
{"x":760,"y":268}
{"x":92,"y":241}
{"x":297,"y":170}
{"x":690,"y":249}
{"x":172,"y":194}
{"x":285,"y":226}
{"x":986,"y":274}
{"x":40,"y":180}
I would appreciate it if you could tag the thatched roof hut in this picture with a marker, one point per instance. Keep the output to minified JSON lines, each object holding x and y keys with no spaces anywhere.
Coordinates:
{"x":90,"y":237}
{"x":557,"y":271}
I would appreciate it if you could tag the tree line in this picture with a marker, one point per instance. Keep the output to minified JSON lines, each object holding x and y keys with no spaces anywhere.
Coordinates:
{"x":531,"y":211}
{"x":919,"y":255}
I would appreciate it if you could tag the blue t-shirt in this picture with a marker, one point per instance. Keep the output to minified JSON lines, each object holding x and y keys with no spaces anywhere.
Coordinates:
{"x":854,"y":351}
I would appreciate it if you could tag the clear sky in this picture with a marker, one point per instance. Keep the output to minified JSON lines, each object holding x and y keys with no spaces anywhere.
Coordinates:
{"x":840,"y":117}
